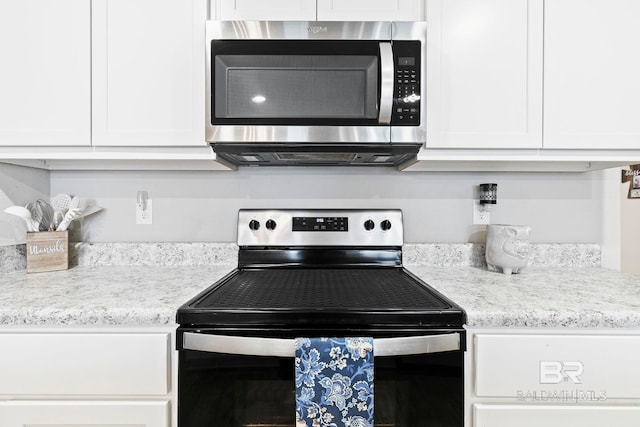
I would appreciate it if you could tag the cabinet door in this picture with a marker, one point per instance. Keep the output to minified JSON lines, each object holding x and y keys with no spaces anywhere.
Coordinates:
{"x":148,"y":72}
{"x":554,"y":416}
{"x":591,"y":74}
{"x":45,"y":89}
{"x":484,"y":73}
{"x":370,"y":10}
{"x":83,"y":414}
{"x":261,"y":10}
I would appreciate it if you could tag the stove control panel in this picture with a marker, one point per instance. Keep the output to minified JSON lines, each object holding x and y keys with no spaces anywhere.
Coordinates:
{"x":322,"y":223}
{"x":333,"y":227}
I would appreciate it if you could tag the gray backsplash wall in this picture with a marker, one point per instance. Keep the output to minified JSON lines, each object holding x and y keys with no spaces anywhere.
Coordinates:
{"x":202,"y":206}
{"x":18,"y":186}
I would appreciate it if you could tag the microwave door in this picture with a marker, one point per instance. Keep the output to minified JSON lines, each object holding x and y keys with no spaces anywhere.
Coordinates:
{"x":300,"y":91}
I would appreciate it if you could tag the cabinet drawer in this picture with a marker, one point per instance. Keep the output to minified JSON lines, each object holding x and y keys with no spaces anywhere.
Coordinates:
{"x":73,"y":364}
{"x":554,"y":416}
{"x":78,"y":414}
{"x":581,"y":368}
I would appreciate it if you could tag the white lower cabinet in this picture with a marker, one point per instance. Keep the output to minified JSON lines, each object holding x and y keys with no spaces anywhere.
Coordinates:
{"x":84,"y":414}
{"x":593,"y":367}
{"x":553,"y":378}
{"x":84,"y":363}
{"x":555,"y":416}
{"x":93,"y":377}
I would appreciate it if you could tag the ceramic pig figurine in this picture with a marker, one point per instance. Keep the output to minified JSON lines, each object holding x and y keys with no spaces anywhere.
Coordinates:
{"x":508,"y":248}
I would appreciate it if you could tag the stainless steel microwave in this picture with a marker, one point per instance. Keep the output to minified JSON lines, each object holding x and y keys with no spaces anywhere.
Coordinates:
{"x":281,"y":93}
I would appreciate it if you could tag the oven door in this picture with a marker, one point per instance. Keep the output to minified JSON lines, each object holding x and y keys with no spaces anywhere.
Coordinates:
{"x":233,"y":381}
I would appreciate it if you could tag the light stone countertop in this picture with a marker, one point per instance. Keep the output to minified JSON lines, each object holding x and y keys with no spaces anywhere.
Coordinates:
{"x":574,"y":293}
{"x":577,"y":297}
{"x":102,"y":295}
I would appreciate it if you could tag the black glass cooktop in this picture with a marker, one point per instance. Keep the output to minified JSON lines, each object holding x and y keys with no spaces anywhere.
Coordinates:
{"x":318,"y":297}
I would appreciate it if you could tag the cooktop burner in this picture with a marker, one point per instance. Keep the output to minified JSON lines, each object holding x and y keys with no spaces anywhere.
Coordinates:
{"x":321,"y":298}
{"x":322,"y":289}
{"x":320,"y":269}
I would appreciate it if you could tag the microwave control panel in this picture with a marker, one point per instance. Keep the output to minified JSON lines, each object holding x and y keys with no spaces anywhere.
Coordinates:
{"x":406,"y":103}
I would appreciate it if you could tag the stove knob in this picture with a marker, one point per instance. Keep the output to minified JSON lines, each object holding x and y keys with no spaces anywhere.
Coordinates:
{"x":270,"y":224}
{"x":385,"y":225}
{"x":369,"y":225}
{"x":254,"y":225}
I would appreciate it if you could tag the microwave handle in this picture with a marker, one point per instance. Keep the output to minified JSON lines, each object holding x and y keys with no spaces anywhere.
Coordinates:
{"x":386,"y":82}
{"x":279,"y":347}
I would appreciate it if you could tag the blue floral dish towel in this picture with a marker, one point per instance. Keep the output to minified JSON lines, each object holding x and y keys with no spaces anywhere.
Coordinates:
{"x":334,"y":382}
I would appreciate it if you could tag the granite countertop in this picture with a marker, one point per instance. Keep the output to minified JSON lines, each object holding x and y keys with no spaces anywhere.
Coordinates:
{"x":102,"y":295}
{"x":573,"y":293}
{"x":582,"y":297}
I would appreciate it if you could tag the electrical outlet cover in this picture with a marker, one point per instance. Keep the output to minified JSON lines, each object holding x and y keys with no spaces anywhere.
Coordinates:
{"x":480,"y":216}
{"x":144,"y":217}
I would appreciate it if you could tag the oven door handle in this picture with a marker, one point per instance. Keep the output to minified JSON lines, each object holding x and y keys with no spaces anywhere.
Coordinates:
{"x":386,"y":82}
{"x":278,"y":347}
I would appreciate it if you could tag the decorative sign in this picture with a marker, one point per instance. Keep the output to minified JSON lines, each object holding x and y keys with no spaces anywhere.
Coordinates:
{"x":633,"y":176}
{"x":47,"y":251}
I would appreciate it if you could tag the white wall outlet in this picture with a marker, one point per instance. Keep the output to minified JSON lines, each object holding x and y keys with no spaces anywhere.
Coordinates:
{"x":480,"y":216}
{"x":144,"y":213}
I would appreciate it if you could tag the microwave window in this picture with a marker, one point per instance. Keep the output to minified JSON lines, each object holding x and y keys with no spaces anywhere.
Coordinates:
{"x":296,"y":86}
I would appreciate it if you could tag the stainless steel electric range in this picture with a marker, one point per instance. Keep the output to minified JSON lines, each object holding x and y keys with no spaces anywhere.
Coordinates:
{"x":318,"y":273}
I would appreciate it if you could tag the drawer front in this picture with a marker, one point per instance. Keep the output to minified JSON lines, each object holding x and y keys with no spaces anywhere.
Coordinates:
{"x":558,"y":368}
{"x":78,"y":363}
{"x":84,"y":414}
{"x":554,"y":416}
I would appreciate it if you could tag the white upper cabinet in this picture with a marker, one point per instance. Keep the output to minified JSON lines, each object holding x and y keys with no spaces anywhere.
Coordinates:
{"x":261,"y":10}
{"x":148,"y":72}
{"x":370,"y":10}
{"x":592,"y":74}
{"x":484,"y":73}
{"x":320,"y":10}
{"x":45,"y":76}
